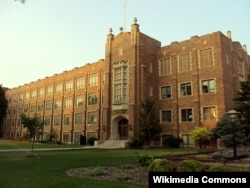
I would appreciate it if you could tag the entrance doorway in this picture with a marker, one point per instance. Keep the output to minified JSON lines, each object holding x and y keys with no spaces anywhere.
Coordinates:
{"x":123,"y":129}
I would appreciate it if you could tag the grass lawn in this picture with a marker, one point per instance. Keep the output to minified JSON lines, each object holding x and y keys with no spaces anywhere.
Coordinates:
{"x":48,"y":169}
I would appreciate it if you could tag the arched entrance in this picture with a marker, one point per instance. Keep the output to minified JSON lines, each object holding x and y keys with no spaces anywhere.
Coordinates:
{"x":123,"y":129}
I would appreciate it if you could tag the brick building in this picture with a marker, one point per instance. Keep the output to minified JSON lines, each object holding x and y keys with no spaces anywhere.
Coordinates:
{"x":192,"y":83}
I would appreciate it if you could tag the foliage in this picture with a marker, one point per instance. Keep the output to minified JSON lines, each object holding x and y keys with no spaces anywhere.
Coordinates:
{"x":136,"y":142}
{"x":98,"y":171}
{"x":122,"y":177}
{"x":34,"y":127}
{"x":242,"y":100}
{"x":223,"y":130}
{"x":220,"y":168}
{"x":173,"y":142}
{"x":160,"y":165}
{"x":144,"y":160}
{"x":190,"y":165}
{"x":149,"y":126}
{"x":201,"y":135}
{"x":91,"y":140}
{"x":3,"y":108}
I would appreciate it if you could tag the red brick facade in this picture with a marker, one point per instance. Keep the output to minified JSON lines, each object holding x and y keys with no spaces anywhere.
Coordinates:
{"x":192,"y":83}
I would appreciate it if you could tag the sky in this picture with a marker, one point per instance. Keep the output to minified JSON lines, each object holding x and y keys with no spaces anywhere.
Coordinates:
{"x":42,"y":37}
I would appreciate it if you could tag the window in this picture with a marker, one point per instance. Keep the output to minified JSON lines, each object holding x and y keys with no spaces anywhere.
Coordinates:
{"x":206,"y":58}
{"x":58,"y":88}
{"x":164,"y":67}
{"x":20,"y":97}
{"x":47,"y":121}
{"x":32,"y":107}
{"x":41,"y":92}
{"x":49,"y":90}
{"x":26,"y":108}
{"x":20,"y":110}
{"x":92,"y":117}
{"x":208,"y":86}
{"x":79,"y":100}
{"x":92,"y":99}
{"x":78,"y":118}
{"x":65,"y":137}
{"x":58,"y":104}
{"x":184,"y":63}
{"x":166,"y":116}
{"x":165,"y":92}
{"x":240,"y":66}
{"x":56,"y":120}
{"x":33,"y":93}
{"x":67,"y":119}
{"x":209,"y":113}
{"x":93,"y":79}
{"x":186,"y":115}
{"x":80,"y":83}
{"x":68,"y":102}
{"x":68,"y":85}
{"x":27,"y":95}
{"x":48,"y":105}
{"x":185,"y":89}
{"x":40,"y":106}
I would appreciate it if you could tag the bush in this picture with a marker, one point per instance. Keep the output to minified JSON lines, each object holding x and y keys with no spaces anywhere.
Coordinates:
{"x":144,"y":160}
{"x":160,"y":165}
{"x":220,"y":168}
{"x":190,"y":166}
{"x":91,"y":140}
{"x":173,"y":142}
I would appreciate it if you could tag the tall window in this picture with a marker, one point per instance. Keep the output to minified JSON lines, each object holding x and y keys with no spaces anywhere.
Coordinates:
{"x":32,"y":107}
{"x":166,"y":116}
{"x":40,"y":106}
{"x":78,"y":118}
{"x":209,"y":113}
{"x":120,"y":82}
{"x":80,"y":83}
{"x":65,"y":137}
{"x":41,"y":92}
{"x":93,"y":79}
{"x":58,"y":104}
{"x":67,"y":119}
{"x":164,"y":67}
{"x":68,"y":102}
{"x":165,"y":92}
{"x":49,"y":90}
{"x":208,"y":86}
{"x":56,"y":120}
{"x":206,"y":58}
{"x":79,"y":100}
{"x":48,"y":105}
{"x":47,"y":121}
{"x":184,"y":63}
{"x":33,"y":93}
{"x":58,"y":88}
{"x":92,"y":117}
{"x":186,"y":115}
{"x":27,"y":95}
{"x":92,"y":98}
{"x":26,"y":108}
{"x":185,"y":89}
{"x":68,"y":85}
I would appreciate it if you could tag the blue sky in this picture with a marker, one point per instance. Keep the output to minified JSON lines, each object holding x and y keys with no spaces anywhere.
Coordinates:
{"x":43,"y":37}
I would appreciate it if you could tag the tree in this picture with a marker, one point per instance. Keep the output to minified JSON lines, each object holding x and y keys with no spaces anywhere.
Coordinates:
{"x":242,"y":100}
{"x":34,"y":127}
{"x":201,"y":135}
{"x":3,"y":108}
{"x":149,"y":126}
{"x":223,"y":130}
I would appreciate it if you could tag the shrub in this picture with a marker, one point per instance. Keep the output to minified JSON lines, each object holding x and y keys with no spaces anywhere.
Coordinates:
{"x":160,"y":165}
{"x":144,"y":160}
{"x":220,"y":168}
{"x":97,"y":171}
{"x":190,"y":165}
{"x":91,"y":140}
{"x":173,"y":142}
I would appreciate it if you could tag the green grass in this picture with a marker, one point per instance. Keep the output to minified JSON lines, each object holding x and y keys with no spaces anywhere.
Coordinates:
{"x":48,"y":169}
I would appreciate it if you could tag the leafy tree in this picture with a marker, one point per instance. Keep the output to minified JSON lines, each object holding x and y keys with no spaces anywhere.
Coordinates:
{"x":3,"y":108}
{"x":223,"y":130}
{"x":34,"y":127}
{"x":201,"y":135}
{"x":149,"y":126}
{"x":242,"y":100}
